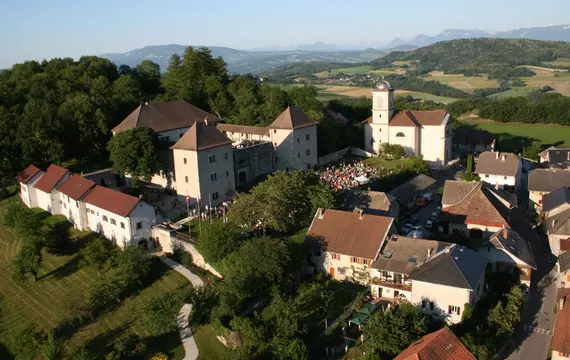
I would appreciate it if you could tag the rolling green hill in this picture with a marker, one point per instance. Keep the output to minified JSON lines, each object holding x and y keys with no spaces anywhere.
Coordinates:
{"x":493,"y":56}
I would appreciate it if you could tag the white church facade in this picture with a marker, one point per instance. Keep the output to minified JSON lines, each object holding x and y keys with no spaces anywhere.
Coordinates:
{"x":425,"y":133}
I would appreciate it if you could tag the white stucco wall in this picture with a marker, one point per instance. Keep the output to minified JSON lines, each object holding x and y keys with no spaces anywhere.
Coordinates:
{"x":341,"y":269}
{"x":74,"y":211}
{"x":376,"y":132}
{"x":142,"y":213}
{"x":409,"y":141}
{"x":172,"y":135}
{"x":442,"y":296}
{"x":50,"y":202}
{"x":291,"y":148}
{"x":502,"y":181}
{"x":29,"y":193}
{"x":435,"y":143}
{"x":556,"y":355}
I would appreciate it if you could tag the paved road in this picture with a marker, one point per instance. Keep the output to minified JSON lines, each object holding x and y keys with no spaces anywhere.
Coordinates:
{"x":532,"y":338}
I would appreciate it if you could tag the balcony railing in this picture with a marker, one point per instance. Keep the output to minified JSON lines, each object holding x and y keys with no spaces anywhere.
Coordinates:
{"x":391,"y":284}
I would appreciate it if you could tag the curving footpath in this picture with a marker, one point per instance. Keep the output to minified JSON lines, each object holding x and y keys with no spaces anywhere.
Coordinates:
{"x":188,"y":342}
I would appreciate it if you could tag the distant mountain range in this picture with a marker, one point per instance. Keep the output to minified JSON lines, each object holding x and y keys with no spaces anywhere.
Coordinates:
{"x":260,"y":59}
{"x":552,"y":33}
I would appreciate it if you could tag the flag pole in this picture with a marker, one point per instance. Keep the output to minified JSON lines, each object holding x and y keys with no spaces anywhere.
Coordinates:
{"x":210,"y":209}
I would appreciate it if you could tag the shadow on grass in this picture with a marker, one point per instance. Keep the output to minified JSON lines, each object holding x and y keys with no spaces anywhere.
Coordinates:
{"x":5,"y":354}
{"x":65,"y":270}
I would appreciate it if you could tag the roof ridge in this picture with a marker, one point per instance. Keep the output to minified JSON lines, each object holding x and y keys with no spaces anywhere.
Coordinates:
{"x":139,"y":114}
{"x":478,"y":185}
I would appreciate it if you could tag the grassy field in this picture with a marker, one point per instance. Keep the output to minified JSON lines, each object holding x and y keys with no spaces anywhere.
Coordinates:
{"x":210,"y":348}
{"x":512,"y":137}
{"x":559,"y":62}
{"x":514,"y":92}
{"x":462,"y":82}
{"x":425,"y":96}
{"x":382,"y":163}
{"x":61,"y":283}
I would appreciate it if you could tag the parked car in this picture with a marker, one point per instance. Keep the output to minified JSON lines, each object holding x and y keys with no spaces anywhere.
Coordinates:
{"x":428,"y":196}
{"x":429,"y":224}
{"x":438,"y":209}
{"x":433,"y":216}
{"x":421,"y":201}
{"x":406,"y":228}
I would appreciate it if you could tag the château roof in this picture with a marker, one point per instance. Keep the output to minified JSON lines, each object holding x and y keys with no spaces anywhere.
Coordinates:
{"x":201,"y":136}
{"x":48,"y":180}
{"x":27,"y":174}
{"x":76,"y":186}
{"x":292,"y":118}
{"x":111,"y":200}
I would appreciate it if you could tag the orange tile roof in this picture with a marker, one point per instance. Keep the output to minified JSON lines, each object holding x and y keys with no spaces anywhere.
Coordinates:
{"x":561,"y":336}
{"x":419,"y":118}
{"x":76,"y":186}
{"x":438,"y":345}
{"x":48,"y":180}
{"x":111,"y":200}
{"x":27,"y":174}
{"x":349,"y":233}
{"x":292,"y":118}
{"x":201,"y":136}
{"x":403,"y":118}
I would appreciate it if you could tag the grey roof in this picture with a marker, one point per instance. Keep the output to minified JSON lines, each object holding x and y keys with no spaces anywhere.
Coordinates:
{"x":456,"y":266}
{"x":559,"y":224}
{"x":497,"y":163}
{"x":455,"y":191}
{"x":547,"y":180}
{"x":513,"y":243}
{"x":418,"y":183}
{"x":558,"y":157}
{"x":564,"y":261}
{"x":556,"y":198}
{"x":402,"y":254}
{"x":374,"y":202}
{"x":544,"y":153}
{"x":508,"y":198}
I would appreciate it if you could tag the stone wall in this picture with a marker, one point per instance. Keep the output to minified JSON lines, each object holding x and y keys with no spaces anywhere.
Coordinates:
{"x":252,"y":162}
{"x":197,"y":258}
{"x":333,"y":157}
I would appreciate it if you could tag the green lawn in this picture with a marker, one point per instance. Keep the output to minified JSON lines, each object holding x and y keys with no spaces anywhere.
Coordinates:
{"x":382,"y":163}
{"x":511,"y":137}
{"x":353,"y":70}
{"x":62,"y":282}
{"x":514,"y":92}
{"x":425,"y":96}
{"x":209,"y":346}
{"x":559,"y":62}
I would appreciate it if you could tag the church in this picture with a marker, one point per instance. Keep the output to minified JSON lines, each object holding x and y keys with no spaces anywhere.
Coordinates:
{"x":425,"y":133}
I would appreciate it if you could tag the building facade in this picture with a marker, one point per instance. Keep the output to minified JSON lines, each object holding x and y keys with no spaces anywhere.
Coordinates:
{"x":421,"y":133}
{"x":27,"y":179}
{"x":502,"y":170}
{"x":47,"y":189}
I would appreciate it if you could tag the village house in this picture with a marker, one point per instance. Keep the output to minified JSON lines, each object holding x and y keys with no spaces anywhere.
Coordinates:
{"x":555,"y":158}
{"x":344,"y":244}
{"x":560,"y":344}
{"x":72,"y":192}
{"x":544,"y":181}
{"x":564,"y":269}
{"x":204,"y":167}
{"x":398,"y":258}
{"x":438,"y":345}
{"x":27,"y":179}
{"x":425,"y":133}
{"x":449,"y":280}
{"x":121,"y":218}
{"x":556,"y":214}
{"x":510,"y":253}
{"x":370,"y":202}
{"x":46,"y":189}
{"x":467,"y":140}
{"x":500,"y":169}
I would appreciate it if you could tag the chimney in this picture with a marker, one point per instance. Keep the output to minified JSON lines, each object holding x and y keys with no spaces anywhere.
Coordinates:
{"x":321,"y":213}
{"x":504,"y":157}
{"x":206,"y":121}
{"x":429,"y":253}
{"x":561,"y":303}
{"x":496,"y":154}
{"x":448,"y":249}
{"x":360,"y":214}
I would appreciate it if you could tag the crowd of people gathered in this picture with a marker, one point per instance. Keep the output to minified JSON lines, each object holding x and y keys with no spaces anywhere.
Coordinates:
{"x":347,"y":176}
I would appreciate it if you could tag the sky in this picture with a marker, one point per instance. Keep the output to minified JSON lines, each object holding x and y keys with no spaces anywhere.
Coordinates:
{"x":38,"y":29}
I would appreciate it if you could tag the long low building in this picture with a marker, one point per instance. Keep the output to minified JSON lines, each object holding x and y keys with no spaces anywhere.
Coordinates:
{"x":121,"y":218}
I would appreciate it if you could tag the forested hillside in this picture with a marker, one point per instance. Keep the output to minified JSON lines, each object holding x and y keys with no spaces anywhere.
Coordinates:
{"x":493,"y":56}
{"x":289,"y":72}
{"x":62,"y":110}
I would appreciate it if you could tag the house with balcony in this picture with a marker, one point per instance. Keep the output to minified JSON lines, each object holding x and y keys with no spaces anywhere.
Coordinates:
{"x":398,"y":258}
{"x":344,"y":244}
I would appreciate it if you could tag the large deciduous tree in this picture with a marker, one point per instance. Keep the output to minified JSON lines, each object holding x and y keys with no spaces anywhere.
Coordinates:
{"x":217,"y":241}
{"x":158,"y":314}
{"x":135,"y":152}
{"x":96,"y":253}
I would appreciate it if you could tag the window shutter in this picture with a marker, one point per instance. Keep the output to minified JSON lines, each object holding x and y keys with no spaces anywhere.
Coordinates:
{"x":458,"y":310}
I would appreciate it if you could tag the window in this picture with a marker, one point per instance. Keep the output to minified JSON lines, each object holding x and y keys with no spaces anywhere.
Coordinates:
{"x":185,"y":161}
{"x":308,"y":152}
{"x":353,"y":259}
{"x":431,"y":305}
{"x":371,"y":141}
{"x":167,"y":138}
{"x":335,"y":256}
{"x":454,"y":310}
{"x":504,"y":177}
{"x":76,"y":203}
{"x":276,"y":159}
{"x":64,"y":205}
{"x":122,"y":225}
{"x":308,"y":166}
{"x":299,"y":155}
{"x":317,"y":253}
{"x":214,"y":177}
{"x":92,"y":212}
{"x":226,"y":156}
{"x":113,"y":222}
{"x":212,"y":158}
{"x":424,"y":304}
{"x":486,"y":175}
{"x":185,"y":178}
{"x":400,"y":134}
{"x":139,"y":225}
{"x":298,"y":141}
{"x":215,"y":196}
{"x":105,"y":218}
{"x":227,"y":173}
{"x":275,"y":131}
{"x":308,"y":137}
{"x":275,"y":144}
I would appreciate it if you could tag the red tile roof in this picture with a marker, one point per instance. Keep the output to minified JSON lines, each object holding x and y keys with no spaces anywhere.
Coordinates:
{"x":404,"y":118}
{"x":348,"y":233}
{"x":419,"y":118}
{"x":167,"y":116}
{"x":76,"y":186}
{"x":201,"y":136}
{"x":27,"y":174}
{"x":48,"y":180}
{"x":564,"y":244}
{"x":111,"y":200}
{"x":292,"y":118}
{"x":439,"y":345}
{"x":561,"y":336}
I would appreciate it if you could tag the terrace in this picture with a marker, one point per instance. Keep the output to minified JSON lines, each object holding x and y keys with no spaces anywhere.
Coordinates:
{"x":392,"y":284}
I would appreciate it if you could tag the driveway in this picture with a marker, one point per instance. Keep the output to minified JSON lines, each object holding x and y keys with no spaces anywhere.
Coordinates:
{"x":532,"y":338}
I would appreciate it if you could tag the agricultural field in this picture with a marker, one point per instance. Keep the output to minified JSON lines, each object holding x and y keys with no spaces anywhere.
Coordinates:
{"x":559,"y":62}
{"x":559,"y":80}
{"x":462,"y":82}
{"x":425,"y":96}
{"x":512,"y":137}
{"x":514,"y":92}
{"x":63,"y":283}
